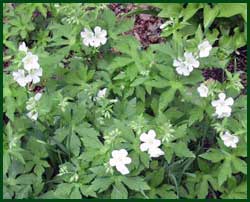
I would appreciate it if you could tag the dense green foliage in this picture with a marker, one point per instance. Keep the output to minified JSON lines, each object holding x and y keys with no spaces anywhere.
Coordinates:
{"x":65,"y":153}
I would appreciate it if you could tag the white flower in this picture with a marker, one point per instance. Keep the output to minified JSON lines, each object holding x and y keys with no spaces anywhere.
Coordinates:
{"x":101,"y":93}
{"x":96,"y":38}
{"x":30,"y":61}
{"x":190,"y":60}
{"x":33,"y":115}
{"x":182,"y":68}
{"x":34,"y":75}
{"x":23,"y":47}
{"x":203,"y":90}
{"x":229,"y":140}
{"x":20,"y":78}
{"x":100,"y":37}
{"x":151,"y":144}
{"x":223,"y":106}
{"x":186,"y":66}
{"x":88,"y":37}
{"x":119,"y":160}
{"x":204,"y":49}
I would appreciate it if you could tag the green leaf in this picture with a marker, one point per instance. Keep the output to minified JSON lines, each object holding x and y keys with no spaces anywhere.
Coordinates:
{"x":119,"y":191}
{"x":157,"y":177}
{"x":170,"y":10}
{"x":239,"y":165}
{"x":213,"y":155}
{"x":75,"y":144}
{"x":136,"y":183}
{"x":203,"y":188}
{"x":182,"y":150}
{"x":100,"y":184}
{"x":225,"y":171}
{"x":89,"y":137}
{"x":190,"y":10}
{"x":166,"y":97}
{"x":231,"y":9}
{"x":209,"y":15}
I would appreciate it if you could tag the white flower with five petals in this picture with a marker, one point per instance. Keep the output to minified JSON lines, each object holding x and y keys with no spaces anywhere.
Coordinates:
{"x":100,"y":37}
{"x":182,"y":68}
{"x":30,"y":61}
{"x":20,"y":77}
{"x":34,"y":75}
{"x":203,"y":90}
{"x":119,"y":160}
{"x":151,"y":144}
{"x":190,"y":60}
{"x":88,"y":37}
{"x":204,"y":49}
{"x":229,"y":139}
{"x":223,"y":106}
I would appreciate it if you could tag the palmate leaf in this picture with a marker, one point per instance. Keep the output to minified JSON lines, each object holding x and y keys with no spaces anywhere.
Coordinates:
{"x":119,"y":191}
{"x":135,"y":183}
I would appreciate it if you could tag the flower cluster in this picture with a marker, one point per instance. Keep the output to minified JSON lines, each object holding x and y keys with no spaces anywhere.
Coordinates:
{"x":151,"y":144}
{"x":31,"y":106}
{"x":94,"y":39}
{"x":31,"y":72}
{"x":186,"y":66}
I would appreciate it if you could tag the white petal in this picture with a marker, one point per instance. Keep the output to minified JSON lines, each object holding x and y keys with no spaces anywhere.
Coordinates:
{"x":122,"y":169}
{"x":97,"y":30}
{"x":144,"y":147}
{"x":123,"y":152}
{"x":127,"y":160}
{"x":144,"y":137}
{"x":214,"y":103}
{"x":38,"y":96}
{"x":151,"y":134}
{"x":222,"y":96}
{"x":112,"y":162}
{"x":115,"y":153}
{"x":229,"y":101}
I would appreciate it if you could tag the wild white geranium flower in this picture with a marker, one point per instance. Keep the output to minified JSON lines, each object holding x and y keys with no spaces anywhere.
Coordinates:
{"x":185,"y":66}
{"x":190,"y":60}
{"x":223,"y":106}
{"x":23,"y":47}
{"x":88,"y":37}
{"x":100,"y":36}
{"x":30,"y":61}
{"x":182,"y":68}
{"x":203,"y":90}
{"x":204,"y":49}
{"x":31,"y":105}
{"x":119,"y":160}
{"x":151,"y":144}
{"x":34,"y":75}
{"x":20,"y":77}
{"x":94,"y":39}
{"x":229,"y":139}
